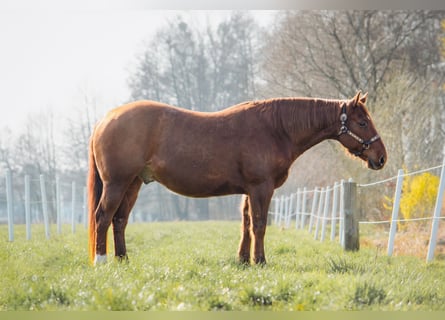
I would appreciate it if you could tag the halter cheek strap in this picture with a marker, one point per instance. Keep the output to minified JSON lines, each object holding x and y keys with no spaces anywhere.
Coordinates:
{"x":345,"y":130}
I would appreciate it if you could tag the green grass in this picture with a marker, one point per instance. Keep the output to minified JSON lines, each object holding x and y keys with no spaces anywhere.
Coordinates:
{"x":193,"y":266}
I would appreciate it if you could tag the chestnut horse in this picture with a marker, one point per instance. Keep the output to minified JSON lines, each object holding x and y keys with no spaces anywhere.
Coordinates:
{"x":245,"y":149}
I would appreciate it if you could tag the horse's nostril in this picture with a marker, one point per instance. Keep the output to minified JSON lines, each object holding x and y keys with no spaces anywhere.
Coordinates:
{"x":382,"y":160}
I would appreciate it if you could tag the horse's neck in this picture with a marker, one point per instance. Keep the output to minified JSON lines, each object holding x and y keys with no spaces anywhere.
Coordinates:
{"x":308,"y":122}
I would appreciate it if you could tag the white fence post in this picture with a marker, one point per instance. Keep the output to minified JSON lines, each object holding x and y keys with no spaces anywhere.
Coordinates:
{"x":58,"y":207}
{"x":277,"y":208}
{"x":320,"y":208}
{"x":325,"y":213}
{"x":303,"y":209}
{"x":289,"y":215}
{"x":436,"y":217}
{"x":10,"y":205}
{"x":334,"y":211}
{"x":44,"y":205}
{"x":395,"y":212}
{"x":341,"y":227}
{"x":286,"y":211}
{"x":280,"y":210}
{"x":314,"y":204}
{"x":298,"y":208}
{"x":85,"y":208}
{"x":73,"y":207}
{"x":28,"y":207}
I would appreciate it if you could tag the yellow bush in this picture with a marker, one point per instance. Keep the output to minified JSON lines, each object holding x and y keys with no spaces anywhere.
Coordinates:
{"x":418,"y":196}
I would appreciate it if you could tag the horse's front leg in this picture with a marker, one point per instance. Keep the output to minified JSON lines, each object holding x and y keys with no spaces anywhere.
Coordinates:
{"x":244,"y":247}
{"x":259,"y":200}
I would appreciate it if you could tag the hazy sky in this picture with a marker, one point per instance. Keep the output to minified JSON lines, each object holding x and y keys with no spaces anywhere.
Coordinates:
{"x":50,"y":58}
{"x":53,"y":52}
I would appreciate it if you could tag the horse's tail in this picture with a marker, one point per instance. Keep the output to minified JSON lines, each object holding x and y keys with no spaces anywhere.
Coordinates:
{"x":94,"y":184}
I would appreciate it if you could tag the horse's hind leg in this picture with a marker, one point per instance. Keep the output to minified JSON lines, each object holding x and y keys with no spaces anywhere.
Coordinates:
{"x":120,"y":219}
{"x":110,"y":201}
{"x":244,"y":247}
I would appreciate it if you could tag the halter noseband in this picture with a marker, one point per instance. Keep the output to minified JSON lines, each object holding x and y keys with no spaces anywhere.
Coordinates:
{"x":345,"y":130}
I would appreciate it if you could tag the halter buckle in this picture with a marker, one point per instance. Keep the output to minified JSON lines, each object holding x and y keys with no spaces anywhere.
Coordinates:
{"x":343,"y":129}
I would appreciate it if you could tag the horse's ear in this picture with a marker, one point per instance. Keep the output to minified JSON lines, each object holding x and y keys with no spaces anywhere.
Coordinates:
{"x":363,"y":99}
{"x":356,"y":98}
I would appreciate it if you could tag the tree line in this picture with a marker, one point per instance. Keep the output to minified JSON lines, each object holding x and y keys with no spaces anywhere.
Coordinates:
{"x":396,"y":56}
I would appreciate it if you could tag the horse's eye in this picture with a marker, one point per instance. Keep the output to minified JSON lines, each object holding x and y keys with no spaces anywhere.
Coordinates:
{"x":363,"y":124}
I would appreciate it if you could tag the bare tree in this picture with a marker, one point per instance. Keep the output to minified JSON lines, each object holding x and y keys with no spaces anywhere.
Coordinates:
{"x":199,"y":70}
{"x":78,"y":131}
{"x":338,"y":52}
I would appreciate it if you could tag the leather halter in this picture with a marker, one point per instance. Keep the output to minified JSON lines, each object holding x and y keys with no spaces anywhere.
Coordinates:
{"x":345,"y":130}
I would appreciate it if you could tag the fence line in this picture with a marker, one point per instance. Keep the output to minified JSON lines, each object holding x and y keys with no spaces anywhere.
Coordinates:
{"x":45,"y":199}
{"x":324,"y":207}
{"x":318,"y":210}
{"x":400,"y":220}
{"x":403,"y":174}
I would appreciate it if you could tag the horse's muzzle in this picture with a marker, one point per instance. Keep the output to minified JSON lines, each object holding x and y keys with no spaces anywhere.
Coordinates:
{"x":377,"y":165}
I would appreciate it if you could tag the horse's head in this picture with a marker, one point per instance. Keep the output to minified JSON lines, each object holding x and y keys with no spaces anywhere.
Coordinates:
{"x":358,"y":134}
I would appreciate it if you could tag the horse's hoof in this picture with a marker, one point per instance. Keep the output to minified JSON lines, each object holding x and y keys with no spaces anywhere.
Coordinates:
{"x":122,"y":258}
{"x":260,"y":261}
{"x":244,"y":260}
{"x":100,"y":259}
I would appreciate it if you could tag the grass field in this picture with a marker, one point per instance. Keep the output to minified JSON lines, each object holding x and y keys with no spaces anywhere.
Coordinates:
{"x":192,"y":266}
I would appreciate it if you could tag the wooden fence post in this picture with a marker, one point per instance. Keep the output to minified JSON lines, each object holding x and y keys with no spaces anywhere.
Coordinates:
{"x":351,"y":227}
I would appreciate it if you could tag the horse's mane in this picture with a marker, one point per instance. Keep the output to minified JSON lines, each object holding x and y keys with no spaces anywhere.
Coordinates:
{"x":302,"y":113}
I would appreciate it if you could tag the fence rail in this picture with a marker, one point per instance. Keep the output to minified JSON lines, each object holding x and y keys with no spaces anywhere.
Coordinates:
{"x":325,"y":210}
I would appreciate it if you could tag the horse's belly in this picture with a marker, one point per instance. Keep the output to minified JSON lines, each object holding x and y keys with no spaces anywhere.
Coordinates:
{"x":202,"y":191}
{"x":194,"y":181}
{"x":200,"y":186}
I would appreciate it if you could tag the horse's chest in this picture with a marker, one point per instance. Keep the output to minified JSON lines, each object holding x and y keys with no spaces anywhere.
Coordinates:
{"x":281,"y":177}
{"x":281,"y":171}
